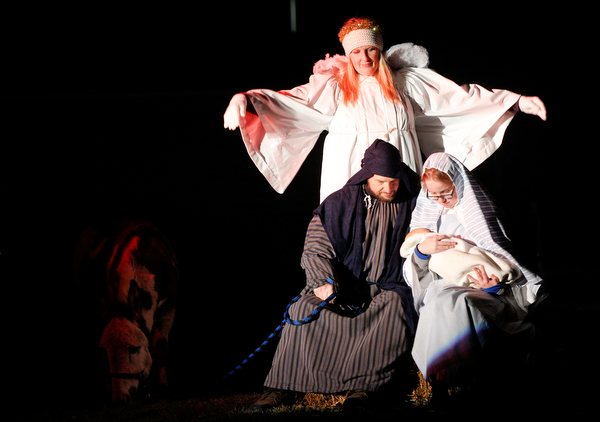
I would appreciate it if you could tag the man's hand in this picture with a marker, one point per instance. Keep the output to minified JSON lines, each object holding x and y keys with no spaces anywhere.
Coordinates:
{"x":324,"y":291}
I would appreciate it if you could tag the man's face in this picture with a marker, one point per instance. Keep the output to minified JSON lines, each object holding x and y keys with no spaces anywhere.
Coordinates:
{"x":383,"y":188}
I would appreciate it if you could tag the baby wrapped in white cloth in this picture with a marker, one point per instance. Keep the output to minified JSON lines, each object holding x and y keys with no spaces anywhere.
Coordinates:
{"x":455,"y":264}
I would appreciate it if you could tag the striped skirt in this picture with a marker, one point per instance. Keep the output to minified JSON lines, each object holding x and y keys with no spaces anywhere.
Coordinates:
{"x":335,"y":353}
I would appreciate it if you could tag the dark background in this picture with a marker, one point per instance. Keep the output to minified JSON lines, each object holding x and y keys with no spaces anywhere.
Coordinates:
{"x":116,"y":112}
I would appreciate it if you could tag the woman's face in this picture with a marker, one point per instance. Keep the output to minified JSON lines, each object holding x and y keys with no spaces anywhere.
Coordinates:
{"x":443,"y":193}
{"x":365,"y":60}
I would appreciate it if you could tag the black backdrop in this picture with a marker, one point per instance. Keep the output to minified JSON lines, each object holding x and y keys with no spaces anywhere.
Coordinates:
{"x":113,"y":112}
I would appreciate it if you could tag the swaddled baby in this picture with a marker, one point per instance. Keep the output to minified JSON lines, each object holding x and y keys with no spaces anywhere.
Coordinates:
{"x":455,"y":264}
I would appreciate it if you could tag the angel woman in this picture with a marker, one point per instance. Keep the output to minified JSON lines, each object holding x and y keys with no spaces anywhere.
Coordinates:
{"x":367,"y":95}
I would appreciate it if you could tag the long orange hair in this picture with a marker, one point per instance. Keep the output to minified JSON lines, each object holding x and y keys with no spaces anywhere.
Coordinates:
{"x":349,"y":82}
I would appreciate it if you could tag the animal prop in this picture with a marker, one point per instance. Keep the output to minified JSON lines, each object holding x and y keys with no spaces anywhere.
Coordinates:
{"x":132,"y":272}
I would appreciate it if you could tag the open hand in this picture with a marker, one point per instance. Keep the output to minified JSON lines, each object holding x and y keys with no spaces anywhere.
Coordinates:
{"x":482,"y":279}
{"x":435,"y":244}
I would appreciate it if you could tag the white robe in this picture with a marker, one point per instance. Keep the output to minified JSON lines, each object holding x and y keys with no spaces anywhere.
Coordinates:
{"x":455,"y":322}
{"x":435,"y":115}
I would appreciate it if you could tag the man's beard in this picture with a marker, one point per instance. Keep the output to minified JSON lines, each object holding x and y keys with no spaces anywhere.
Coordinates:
{"x":388,"y":198}
{"x":380,"y":197}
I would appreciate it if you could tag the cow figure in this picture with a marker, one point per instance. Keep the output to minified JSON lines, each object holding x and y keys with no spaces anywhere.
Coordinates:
{"x":132,"y":272}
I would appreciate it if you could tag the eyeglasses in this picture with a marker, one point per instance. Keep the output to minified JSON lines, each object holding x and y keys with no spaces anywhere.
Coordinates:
{"x":445,"y":196}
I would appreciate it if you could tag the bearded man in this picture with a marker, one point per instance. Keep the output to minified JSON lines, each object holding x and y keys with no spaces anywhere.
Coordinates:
{"x":351,"y":248}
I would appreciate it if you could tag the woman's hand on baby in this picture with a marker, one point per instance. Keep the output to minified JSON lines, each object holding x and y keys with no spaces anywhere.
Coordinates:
{"x":435,"y":244}
{"x":235,"y":111}
{"x":482,"y":279}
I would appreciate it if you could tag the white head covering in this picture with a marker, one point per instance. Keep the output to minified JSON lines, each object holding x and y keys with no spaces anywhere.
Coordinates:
{"x":362,"y":38}
{"x":360,"y":32}
{"x":480,"y":217}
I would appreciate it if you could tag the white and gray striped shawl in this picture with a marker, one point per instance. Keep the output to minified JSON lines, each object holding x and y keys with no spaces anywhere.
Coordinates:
{"x":480,"y":217}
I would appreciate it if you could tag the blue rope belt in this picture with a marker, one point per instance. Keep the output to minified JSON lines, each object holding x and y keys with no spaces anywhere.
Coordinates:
{"x":286,"y":320}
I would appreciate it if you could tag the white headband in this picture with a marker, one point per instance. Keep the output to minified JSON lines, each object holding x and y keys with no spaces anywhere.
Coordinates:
{"x":362,"y":38}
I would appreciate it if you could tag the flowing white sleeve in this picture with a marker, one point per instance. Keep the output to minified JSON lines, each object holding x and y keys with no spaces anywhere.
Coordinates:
{"x":285,"y":126}
{"x":466,"y":121}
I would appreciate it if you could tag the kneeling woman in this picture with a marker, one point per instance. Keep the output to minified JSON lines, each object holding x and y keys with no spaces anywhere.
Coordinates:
{"x":457,"y":323}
